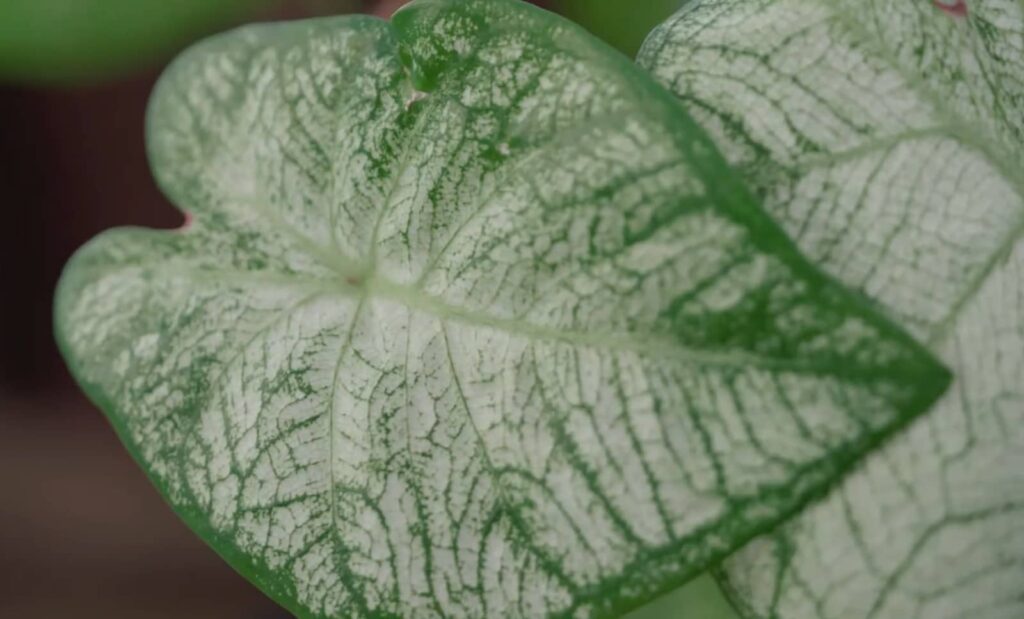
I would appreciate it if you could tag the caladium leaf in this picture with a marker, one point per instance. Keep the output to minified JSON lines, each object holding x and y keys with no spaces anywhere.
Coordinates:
{"x":469,"y":321}
{"x":888,"y":138}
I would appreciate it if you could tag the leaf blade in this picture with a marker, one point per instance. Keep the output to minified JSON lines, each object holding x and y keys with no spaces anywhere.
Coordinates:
{"x":419,"y":353}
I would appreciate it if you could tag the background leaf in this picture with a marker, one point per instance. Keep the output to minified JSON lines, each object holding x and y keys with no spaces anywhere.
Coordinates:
{"x":700,"y":598}
{"x":888,"y":138}
{"x":468,"y":321}
{"x":622,"y":23}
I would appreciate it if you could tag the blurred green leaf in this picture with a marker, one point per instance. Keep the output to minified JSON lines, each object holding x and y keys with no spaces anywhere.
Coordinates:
{"x":77,"y":40}
{"x":698,"y":599}
{"x":622,"y":23}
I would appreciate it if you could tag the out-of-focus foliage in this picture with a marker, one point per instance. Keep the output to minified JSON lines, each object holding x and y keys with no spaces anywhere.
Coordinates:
{"x":623,"y":23}
{"x":74,"y":41}
{"x":80,"y":40}
{"x":698,"y":599}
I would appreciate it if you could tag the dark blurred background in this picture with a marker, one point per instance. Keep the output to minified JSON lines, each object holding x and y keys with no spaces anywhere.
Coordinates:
{"x":82,"y":534}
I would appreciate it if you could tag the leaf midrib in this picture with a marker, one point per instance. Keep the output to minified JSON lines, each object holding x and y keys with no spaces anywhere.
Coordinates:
{"x":337,"y":544}
{"x":650,"y":344}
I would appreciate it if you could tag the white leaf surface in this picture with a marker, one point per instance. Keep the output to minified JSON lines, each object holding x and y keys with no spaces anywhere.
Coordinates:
{"x":887,"y":136}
